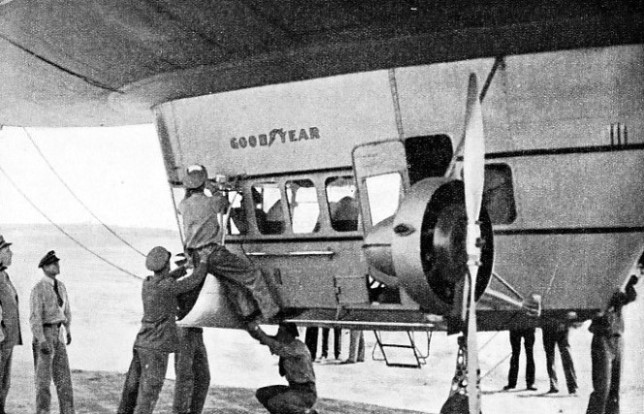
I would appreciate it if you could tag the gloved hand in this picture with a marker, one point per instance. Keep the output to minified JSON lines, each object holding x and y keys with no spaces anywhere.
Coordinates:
{"x":45,"y":348}
{"x":69,"y":338}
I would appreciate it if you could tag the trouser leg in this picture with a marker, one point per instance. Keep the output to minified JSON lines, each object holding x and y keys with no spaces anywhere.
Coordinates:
{"x":153,"y":368}
{"x":528,"y":343}
{"x":6,"y":355}
{"x":337,"y":342}
{"x":265,"y":394}
{"x":311,"y":340}
{"x":184,"y":383}
{"x":62,"y":378}
{"x":549,"y":349}
{"x":44,"y":363}
{"x":325,"y":342}
{"x":612,"y":404}
{"x":361,"y":346}
{"x":515,"y":343}
{"x":201,"y":371}
{"x":601,"y":358}
{"x":131,"y":386}
{"x":353,"y":343}
{"x":290,"y":402}
{"x":566,"y":362}
{"x":222,"y":263}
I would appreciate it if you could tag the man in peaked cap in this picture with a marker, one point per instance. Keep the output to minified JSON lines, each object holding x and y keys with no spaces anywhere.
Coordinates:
{"x":158,"y":336}
{"x":50,"y":312}
{"x":10,"y":321}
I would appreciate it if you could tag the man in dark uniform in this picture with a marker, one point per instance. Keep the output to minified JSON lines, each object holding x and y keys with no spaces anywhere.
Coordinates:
{"x":606,"y":351}
{"x":295,"y":365}
{"x":528,"y":344}
{"x":191,"y":361}
{"x":10,"y":321}
{"x":556,"y":333}
{"x":158,"y":336}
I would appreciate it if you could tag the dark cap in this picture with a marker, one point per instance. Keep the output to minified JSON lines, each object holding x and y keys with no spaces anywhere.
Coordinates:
{"x":157,"y":259}
{"x":3,"y":243}
{"x":49,"y":258}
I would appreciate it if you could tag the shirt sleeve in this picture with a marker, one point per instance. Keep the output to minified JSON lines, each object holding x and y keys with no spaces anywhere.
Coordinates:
{"x":285,"y":350}
{"x":67,"y":310}
{"x":219,"y":203}
{"x":35,"y":317}
{"x":188,"y":282}
{"x":1,"y":320}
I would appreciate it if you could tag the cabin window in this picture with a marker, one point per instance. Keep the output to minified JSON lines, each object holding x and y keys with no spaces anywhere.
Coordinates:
{"x":238,"y":222}
{"x":428,"y":156}
{"x":384,"y":193}
{"x":303,"y":206}
{"x":342,"y":203}
{"x":268,"y":208}
{"x":498,"y":196}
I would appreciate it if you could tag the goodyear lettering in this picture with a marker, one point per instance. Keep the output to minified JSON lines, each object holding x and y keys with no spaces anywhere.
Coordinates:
{"x":276,"y":135}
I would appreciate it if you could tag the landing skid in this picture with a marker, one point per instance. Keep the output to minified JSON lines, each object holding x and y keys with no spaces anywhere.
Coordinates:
{"x":457,"y":401}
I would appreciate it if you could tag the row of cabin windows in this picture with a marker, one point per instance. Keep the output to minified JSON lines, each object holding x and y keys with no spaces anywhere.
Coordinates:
{"x":384,"y":193}
{"x":302,"y":204}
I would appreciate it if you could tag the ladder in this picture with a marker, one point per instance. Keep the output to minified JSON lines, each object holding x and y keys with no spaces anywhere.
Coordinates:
{"x":420,"y":357}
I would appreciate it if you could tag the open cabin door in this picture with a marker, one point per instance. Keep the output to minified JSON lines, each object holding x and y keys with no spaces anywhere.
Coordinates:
{"x":382,"y":178}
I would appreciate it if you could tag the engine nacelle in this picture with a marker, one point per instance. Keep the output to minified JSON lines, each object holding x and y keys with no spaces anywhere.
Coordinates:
{"x":423,"y":245}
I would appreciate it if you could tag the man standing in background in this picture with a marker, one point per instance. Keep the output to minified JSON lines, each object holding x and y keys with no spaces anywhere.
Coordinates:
{"x":606,"y":350}
{"x":528,"y":344}
{"x":556,"y":333}
{"x":190,"y":361}
{"x":50,"y":311}
{"x":10,"y":321}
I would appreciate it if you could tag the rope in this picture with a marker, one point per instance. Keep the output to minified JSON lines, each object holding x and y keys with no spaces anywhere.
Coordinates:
{"x":51,"y":167}
{"x":72,"y":238}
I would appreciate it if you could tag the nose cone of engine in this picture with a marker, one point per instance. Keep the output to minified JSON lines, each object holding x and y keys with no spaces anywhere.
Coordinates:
{"x":377,"y":247}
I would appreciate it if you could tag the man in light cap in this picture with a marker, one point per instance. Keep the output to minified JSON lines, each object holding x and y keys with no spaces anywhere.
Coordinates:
{"x":201,"y":222}
{"x":50,"y":312}
{"x":10,"y":321}
{"x":158,"y":335}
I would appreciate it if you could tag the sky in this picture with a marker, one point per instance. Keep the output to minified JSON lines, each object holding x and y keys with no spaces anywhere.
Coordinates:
{"x":117,"y":172}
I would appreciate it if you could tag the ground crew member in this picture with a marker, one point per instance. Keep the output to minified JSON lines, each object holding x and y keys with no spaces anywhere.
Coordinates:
{"x":201,"y":223}
{"x":190,"y":362}
{"x":606,"y":351}
{"x":295,"y":365}
{"x":556,"y":333}
{"x":10,"y":321}
{"x":158,"y":336}
{"x":50,"y":312}
{"x":528,"y":344}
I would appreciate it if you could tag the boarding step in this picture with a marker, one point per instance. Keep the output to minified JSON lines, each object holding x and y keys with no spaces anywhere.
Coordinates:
{"x":392,"y":359}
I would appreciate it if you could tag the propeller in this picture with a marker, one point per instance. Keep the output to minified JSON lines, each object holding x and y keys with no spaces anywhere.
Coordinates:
{"x":473,"y":180}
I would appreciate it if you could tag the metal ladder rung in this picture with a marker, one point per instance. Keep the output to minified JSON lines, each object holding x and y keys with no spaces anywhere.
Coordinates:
{"x":420,"y":359}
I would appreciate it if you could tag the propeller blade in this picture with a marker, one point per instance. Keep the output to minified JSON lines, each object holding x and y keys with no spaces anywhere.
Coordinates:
{"x":473,"y":396}
{"x":473,"y":181}
{"x":473,"y":152}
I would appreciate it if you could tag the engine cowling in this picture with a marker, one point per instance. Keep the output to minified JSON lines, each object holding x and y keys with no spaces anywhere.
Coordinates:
{"x":423,"y":245}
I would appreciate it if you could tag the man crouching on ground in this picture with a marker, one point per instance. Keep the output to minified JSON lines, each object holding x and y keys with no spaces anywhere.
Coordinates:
{"x":295,"y":365}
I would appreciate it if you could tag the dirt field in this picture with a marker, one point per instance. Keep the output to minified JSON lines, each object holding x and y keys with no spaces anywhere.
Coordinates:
{"x":107,"y":310}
